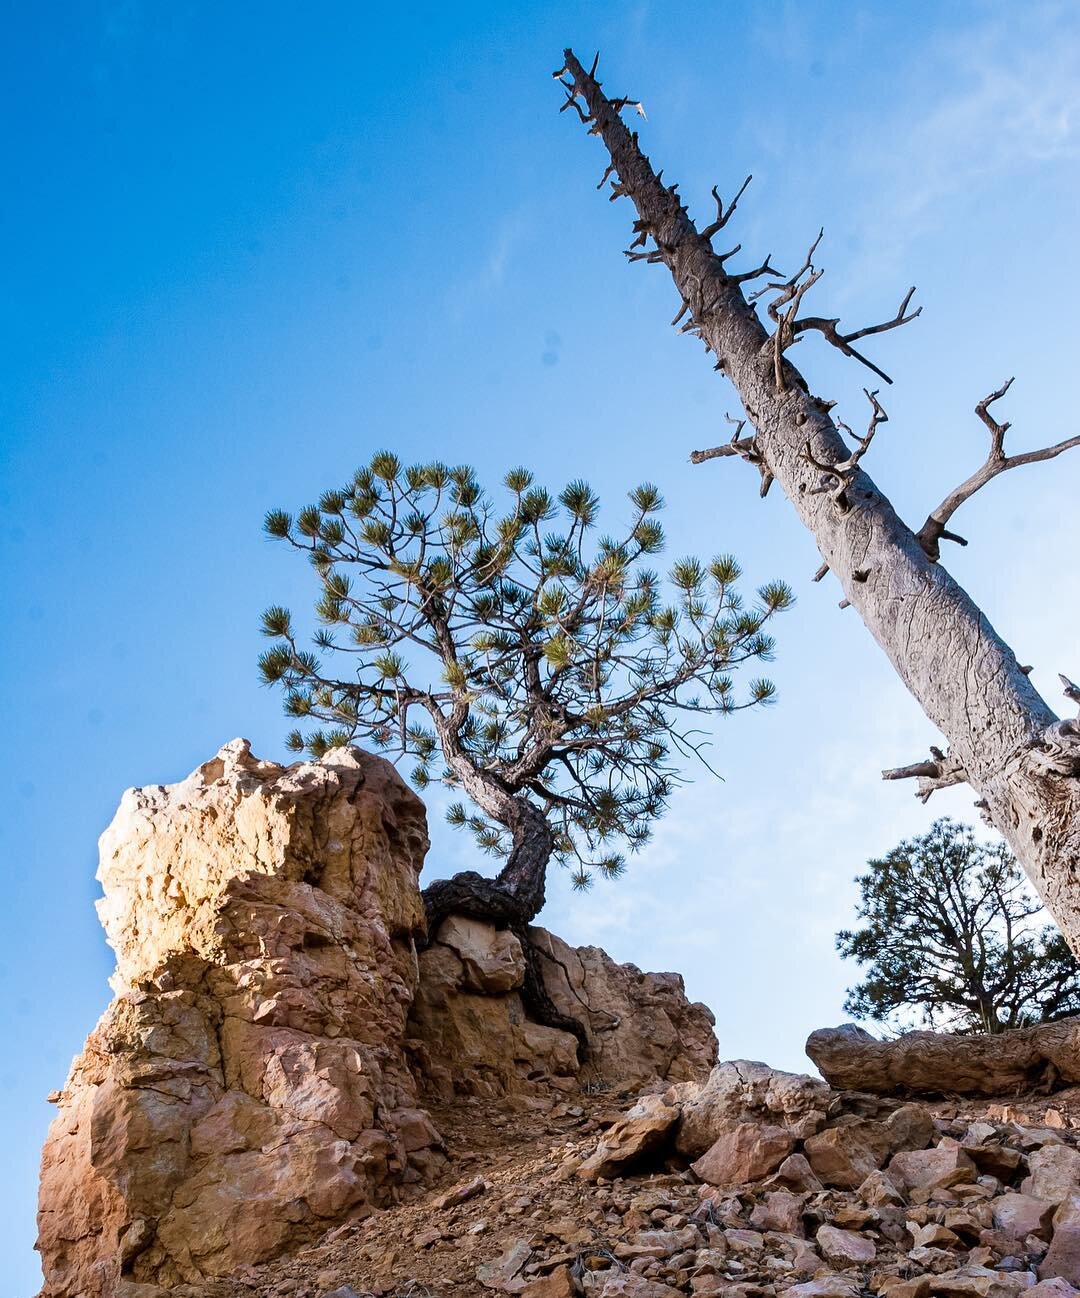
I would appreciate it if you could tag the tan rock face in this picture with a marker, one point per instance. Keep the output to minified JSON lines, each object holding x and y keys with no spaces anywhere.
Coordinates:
{"x":248,"y":1085}
{"x":743,"y":1090}
{"x":254,"y":1080}
{"x":469,"y":1040}
{"x":749,"y":1151}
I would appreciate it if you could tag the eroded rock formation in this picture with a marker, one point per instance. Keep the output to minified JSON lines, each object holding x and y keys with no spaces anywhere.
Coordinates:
{"x":248,"y":1085}
{"x":278,"y":1014}
{"x":935,"y":1063}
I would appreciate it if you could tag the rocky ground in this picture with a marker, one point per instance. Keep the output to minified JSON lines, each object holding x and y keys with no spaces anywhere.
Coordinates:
{"x":945,"y":1200}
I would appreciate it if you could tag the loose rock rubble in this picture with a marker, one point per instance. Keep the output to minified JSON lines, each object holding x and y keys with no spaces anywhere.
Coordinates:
{"x":963,"y":1201}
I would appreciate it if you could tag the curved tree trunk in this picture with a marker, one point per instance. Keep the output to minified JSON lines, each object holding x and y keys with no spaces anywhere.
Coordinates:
{"x":939,"y":1063}
{"x":1005,"y":740}
{"x":511,"y":900}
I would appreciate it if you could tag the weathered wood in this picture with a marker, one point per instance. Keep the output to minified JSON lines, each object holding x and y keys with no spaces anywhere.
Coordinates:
{"x":1022,"y":761}
{"x":937,"y":1063}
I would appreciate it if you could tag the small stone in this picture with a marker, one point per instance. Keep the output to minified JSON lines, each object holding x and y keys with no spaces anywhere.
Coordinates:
{"x":830,"y":1285}
{"x":556,"y":1284}
{"x":844,"y":1247}
{"x":460,"y":1193}
{"x":879,"y":1190}
{"x":932,"y":1169}
{"x":505,"y":1272}
{"x":626,"y":1284}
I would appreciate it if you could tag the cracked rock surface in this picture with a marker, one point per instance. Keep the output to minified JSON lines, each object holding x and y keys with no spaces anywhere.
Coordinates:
{"x":279,"y":1027}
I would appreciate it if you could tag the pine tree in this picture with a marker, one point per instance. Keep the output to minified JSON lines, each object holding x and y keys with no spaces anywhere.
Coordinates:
{"x":954,"y":939}
{"x":552,"y":678}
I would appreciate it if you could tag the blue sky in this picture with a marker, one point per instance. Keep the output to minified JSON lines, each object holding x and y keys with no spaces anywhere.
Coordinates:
{"x":249,"y":244}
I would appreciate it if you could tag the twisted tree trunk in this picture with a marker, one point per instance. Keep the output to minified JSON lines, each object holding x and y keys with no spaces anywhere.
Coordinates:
{"x":1005,"y":740}
{"x":511,"y":900}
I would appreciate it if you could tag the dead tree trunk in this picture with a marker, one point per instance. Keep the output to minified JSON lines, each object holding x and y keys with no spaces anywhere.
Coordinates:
{"x":938,"y":1063}
{"x":1004,"y":740}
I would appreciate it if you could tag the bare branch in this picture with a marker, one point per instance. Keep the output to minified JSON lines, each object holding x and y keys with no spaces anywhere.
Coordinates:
{"x":723,"y":216}
{"x":746,"y":448}
{"x":939,"y":772}
{"x":842,"y":472}
{"x":934,"y":530}
{"x":829,"y":330}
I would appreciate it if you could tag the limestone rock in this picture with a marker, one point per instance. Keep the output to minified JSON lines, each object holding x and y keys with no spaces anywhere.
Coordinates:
{"x":247,"y":1087}
{"x":742,"y":1090}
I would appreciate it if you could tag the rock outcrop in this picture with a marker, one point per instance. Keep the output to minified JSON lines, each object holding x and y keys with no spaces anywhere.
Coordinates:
{"x":279,"y":1018}
{"x":248,"y":1085}
{"x":471,"y":1040}
{"x":936,"y":1063}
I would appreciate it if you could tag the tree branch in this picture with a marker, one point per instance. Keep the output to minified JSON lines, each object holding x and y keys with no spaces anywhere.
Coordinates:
{"x":933,"y":531}
{"x":939,"y":772}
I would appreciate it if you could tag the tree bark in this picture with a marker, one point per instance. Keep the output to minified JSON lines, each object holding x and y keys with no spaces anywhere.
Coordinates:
{"x":511,"y":900}
{"x":1023,"y":763}
{"x":933,"y":1063}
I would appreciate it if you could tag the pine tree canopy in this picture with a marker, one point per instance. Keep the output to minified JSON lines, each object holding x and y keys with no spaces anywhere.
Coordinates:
{"x":513,"y":653}
{"x":954,"y":940}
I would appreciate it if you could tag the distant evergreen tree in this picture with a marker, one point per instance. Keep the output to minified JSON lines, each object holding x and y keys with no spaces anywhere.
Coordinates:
{"x":953,"y":937}
{"x":550,"y":678}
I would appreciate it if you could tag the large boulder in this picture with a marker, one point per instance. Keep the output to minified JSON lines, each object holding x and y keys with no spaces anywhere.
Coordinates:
{"x":248,"y":1085}
{"x":742,"y":1090}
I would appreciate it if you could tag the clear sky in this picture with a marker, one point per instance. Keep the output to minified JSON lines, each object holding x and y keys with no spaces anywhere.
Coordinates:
{"x":248,"y":244}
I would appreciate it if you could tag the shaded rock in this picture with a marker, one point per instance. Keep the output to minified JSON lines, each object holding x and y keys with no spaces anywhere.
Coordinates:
{"x":797,"y":1173}
{"x":643,"y":1130}
{"x":845,"y":1154}
{"x":910,"y":1127}
{"x":467,"y":1040}
{"x":641,"y":1026}
{"x":745,"y":1091}
{"x":779,"y":1210}
{"x":492,"y":959}
{"x":748,"y":1151}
